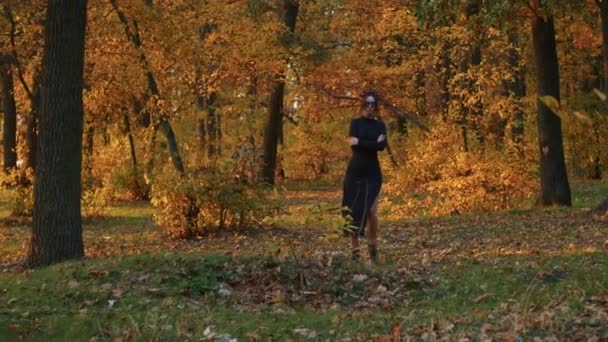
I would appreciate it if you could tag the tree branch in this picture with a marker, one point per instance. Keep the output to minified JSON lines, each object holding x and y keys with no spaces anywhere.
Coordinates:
{"x":12,"y":33}
{"x":394,"y":108}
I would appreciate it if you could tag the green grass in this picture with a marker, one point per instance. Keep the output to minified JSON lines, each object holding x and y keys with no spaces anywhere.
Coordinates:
{"x":176,"y":295}
{"x":588,"y":194}
{"x":519,"y":274}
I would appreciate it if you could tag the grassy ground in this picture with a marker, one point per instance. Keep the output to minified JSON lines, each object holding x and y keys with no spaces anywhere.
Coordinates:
{"x":512,"y":275}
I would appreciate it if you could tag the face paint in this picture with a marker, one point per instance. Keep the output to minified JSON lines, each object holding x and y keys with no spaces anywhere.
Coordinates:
{"x":371,"y":102}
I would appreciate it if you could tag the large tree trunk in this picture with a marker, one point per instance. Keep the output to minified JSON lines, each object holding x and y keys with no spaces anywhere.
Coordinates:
{"x":57,"y":228}
{"x":9,"y":127}
{"x":274,"y":119}
{"x":554,"y":179}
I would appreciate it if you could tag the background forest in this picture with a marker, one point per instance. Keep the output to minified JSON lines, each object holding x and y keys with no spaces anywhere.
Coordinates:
{"x":232,"y":116}
{"x":262,"y":91}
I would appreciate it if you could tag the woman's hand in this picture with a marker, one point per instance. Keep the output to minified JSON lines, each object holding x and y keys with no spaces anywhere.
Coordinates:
{"x":353,"y":141}
{"x":381,"y":137}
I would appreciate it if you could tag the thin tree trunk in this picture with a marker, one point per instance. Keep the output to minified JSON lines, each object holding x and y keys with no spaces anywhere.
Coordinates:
{"x":135,"y":167}
{"x":212,"y":126}
{"x":57,"y":228}
{"x":444,"y":70}
{"x":517,"y":89}
{"x":474,"y":59}
{"x":33,"y":95}
{"x":164,"y":125}
{"x":271,"y":133}
{"x":202,"y":126}
{"x":555,"y":188}
{"x":32,"y":122}
{"x":603,"y":5}
{"x":9,"y":127}
{"x":274,"y":119}
{"x":89,"y":138}
{"x":131,"y":143}
{"x":477,"y":109}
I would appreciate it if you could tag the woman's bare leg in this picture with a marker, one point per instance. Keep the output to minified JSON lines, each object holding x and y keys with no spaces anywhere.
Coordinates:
{"x":355,"y":246}
{"x":372,"y":224}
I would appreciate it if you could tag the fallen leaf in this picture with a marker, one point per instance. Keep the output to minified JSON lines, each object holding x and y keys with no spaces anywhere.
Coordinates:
{"x":483,"y":297}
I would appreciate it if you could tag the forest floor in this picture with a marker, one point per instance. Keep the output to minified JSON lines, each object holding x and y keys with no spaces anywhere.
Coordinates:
{"x":508,"y":276}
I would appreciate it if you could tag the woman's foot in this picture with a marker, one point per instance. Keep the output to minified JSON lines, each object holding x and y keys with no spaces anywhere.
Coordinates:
{"x":355,"y":247}
{"x":356,"y":255}
{"x":373,"y":253}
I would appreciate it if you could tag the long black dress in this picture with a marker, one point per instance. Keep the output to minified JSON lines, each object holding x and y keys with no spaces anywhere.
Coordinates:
{"x":363,"y":178}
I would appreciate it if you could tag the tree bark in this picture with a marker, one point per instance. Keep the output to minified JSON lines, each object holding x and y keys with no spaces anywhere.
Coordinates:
{"x":272,"y":131}
{"x":555,"y":188}
{"x":274,"y":118}
{"x":57,"y":228}
{"x":9,"y":127}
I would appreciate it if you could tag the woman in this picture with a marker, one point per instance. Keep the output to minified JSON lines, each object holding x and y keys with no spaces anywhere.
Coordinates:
{"x":363,"y":178}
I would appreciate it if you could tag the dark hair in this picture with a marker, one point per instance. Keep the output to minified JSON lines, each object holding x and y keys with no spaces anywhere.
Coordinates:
{"x":368,"y":93}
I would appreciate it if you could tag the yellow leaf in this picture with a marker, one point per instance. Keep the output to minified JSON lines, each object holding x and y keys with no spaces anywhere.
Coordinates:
{"x":600,"y":94}
{"x":553,"y":104}
{"x":584,"y":118}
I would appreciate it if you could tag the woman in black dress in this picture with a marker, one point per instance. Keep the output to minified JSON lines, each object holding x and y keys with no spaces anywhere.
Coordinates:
{"x":363,"y":178}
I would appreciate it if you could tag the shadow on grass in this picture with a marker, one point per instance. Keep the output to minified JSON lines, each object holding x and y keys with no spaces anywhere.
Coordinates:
{"x":114,"y":222}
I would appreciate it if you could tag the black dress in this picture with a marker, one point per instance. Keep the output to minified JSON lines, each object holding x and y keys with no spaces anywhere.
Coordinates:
{"x":363,"y":178}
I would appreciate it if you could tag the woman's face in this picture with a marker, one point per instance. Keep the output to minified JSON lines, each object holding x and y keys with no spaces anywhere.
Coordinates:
{"x":370,"y":107}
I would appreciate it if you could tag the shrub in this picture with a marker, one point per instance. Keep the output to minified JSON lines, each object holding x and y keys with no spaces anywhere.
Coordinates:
{"x":190,"y":206}
{"x":439,"y":178}
{"x":112,"y":169}
{"x":20,"y":186}
{"x":95,"y":202}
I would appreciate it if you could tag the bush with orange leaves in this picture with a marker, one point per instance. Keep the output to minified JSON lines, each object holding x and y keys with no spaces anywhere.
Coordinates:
{"x":439,"y":178}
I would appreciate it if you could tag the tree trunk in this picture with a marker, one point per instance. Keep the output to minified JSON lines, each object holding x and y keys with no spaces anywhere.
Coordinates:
{"x":202,"y":127}
{"x":89,"y":137}
{"x":554,"y":179}
{"x":131,"y":144}
{"x":274,"y":119}
{"x":212,"y":126}
{"x":603,"y":5}
{"x":271,"y":133}
{"x":31,"y":134}
{"x":57,"y":228}
{"x":444,"y":72}
{"x":9,"y":127}
{"x":474,"y":59}
{"x":517,"y":89}
{"x":164,"y":125}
